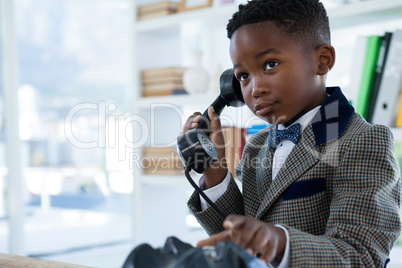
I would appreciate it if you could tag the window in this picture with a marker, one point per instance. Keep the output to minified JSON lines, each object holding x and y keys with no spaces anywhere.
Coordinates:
{"x":3,"y":222}
{"x":73,"y":86}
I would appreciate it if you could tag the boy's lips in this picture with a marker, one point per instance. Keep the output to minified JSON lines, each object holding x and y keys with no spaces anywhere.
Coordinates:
{"x":262,"y":109}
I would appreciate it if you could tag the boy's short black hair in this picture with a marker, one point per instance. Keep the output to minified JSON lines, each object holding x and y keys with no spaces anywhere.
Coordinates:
{"x":306,"y":20}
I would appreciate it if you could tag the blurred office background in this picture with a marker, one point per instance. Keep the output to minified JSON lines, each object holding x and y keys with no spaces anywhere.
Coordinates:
{"x":67,"y":194}
{"x":72,"y":68}
{"x":65,"y":89}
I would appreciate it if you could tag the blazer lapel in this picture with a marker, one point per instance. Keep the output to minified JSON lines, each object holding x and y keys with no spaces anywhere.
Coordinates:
{"x":292,"y":169}
{"x":264,"y":172}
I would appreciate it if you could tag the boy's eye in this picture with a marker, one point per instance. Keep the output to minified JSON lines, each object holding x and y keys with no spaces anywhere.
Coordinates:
{"x":271,"y":64}
{"x":242,"y":77}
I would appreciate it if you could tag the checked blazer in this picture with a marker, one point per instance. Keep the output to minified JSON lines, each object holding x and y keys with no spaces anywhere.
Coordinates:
{"x":337,"y":193}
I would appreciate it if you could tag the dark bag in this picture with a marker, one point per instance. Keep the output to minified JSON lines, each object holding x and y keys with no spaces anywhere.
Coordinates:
{"x":177,"y":254}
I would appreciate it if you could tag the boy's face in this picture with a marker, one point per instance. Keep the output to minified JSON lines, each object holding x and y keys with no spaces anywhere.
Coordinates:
{"x":278,"y":76}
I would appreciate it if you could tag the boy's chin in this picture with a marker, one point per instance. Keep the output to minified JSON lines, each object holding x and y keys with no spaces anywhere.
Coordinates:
{"x":275,"y":120}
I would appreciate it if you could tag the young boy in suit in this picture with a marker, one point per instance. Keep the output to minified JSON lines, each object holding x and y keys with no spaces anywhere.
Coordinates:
{"x":328,"y":194}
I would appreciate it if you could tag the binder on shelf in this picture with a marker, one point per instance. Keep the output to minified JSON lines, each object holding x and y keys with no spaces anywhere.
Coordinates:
{"x":367,"y":81}
{"x":382,"y":58}
{"x":360,"y":51}
{"x":398,"y":122}
{"x":386,"y":109}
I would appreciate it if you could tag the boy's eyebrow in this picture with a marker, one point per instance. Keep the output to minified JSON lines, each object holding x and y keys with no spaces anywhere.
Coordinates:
{"x":268,"y":51}
{"x":260,"y":54}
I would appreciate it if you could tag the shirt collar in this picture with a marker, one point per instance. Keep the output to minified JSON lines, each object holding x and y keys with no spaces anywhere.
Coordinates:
{"x":336,"y":109}
{"x":303,"y":120}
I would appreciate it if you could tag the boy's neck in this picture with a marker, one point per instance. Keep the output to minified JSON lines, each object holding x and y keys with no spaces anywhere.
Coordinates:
{"x":294,"y":119}
{"x":304,"y":120}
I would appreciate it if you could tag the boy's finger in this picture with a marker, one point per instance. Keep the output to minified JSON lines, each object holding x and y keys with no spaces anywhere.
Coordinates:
{"x":214,"y":239}
{"x":191,"y":122}
{"x":234,"y":221}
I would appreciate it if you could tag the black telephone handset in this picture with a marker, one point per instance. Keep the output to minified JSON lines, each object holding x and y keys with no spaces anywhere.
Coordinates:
{"x":195,"y":148}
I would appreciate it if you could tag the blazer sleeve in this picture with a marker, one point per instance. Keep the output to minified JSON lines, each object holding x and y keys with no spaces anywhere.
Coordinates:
{"x":231,"y":202}
{"x":364,"y":221}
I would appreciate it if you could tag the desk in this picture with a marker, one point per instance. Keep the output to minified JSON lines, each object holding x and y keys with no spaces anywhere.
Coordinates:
{"x":14,"y":261}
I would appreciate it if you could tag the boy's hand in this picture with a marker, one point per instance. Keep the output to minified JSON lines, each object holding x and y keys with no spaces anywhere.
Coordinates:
{"x":253,"y":235}
{"x":217,"y":172}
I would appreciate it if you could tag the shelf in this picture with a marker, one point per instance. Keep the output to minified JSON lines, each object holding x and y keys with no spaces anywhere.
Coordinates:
{"x":345,"y":15}
{"x":363,"y":12}
{"x":175,"y":20}
{"x":179,"y":100}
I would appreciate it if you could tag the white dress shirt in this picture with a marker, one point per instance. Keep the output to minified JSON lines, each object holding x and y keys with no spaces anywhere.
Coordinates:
{"x":281,"y":153}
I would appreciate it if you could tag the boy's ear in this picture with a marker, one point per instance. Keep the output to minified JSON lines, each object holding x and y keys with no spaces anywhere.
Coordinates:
{"x":325,"y":58}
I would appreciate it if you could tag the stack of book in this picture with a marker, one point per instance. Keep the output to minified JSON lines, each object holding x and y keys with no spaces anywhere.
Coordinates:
{"x":378,"y":78}
{"x":163,"y":81}
{"x":155,"y":10}
{"x":235,"y":140}
{"x":162,"y":161}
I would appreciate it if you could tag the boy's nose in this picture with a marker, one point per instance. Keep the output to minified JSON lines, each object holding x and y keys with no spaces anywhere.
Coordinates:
{"x":259,"y":87}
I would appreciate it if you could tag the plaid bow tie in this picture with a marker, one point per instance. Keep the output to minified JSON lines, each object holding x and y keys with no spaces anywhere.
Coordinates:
{"x":292,"y":133}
